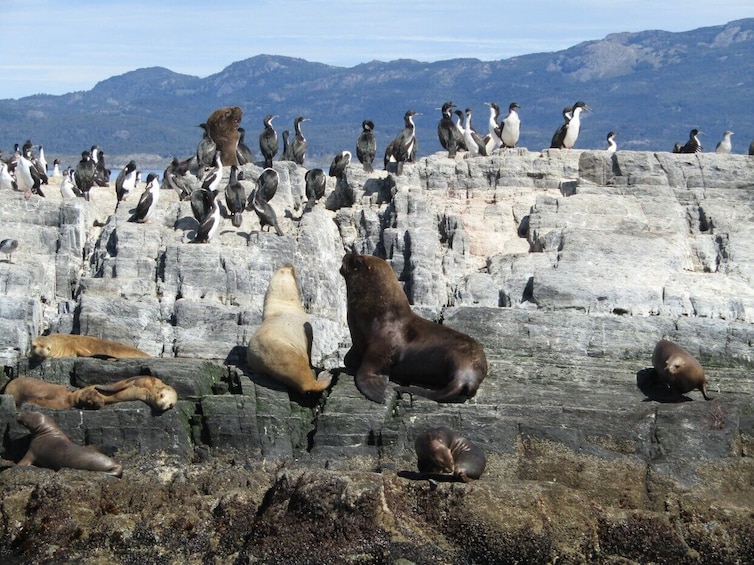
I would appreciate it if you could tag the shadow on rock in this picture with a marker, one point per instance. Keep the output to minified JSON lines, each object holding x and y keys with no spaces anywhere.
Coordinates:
{"x":653,"y":389}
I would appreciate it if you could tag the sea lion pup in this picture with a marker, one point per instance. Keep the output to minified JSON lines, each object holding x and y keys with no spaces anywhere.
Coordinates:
{"x":150,"y":390}
{"x":391,"y":342}
{"x":49,"y":395}
{"x":51,"y":448}
{"x":70,"y":345}
{"x":677,"y":369}
{"x":282,"y":346}
{"x":441,"y":450}
{"x":223,"y":129}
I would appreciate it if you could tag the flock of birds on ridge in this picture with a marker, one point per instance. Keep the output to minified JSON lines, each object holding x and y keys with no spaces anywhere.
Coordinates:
{"x":199,"y":177}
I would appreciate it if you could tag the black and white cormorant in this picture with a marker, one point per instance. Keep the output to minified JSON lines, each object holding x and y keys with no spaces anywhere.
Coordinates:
{"x":101,"y":172}
{"x":692,"y":145}
{"x":84,"y":174}
{"x":243,"y":151}
{"x":56,"y":168}
{"x":298,"y":144}
{"x":148,"y":200}
{"x":450,"y":138}
{"x":177,"y":176}
{"x":316,"y":181}
{"x":566,"y":135}
{"x":125,"y":182}
{"x":510,"y":127}
{"x":267,"y":185}
{"x":404,"y":146}
{"x":612,"y":147}
{"x":286,"y":156}
{"x":42,"y":161}
{"x":339,"y":164}
{"x":7,"y":182}
{"x":724,"y":145}
{"x":389,"y":153}
{"x":235,"y":198}
{"x":268,"y":141}
{"x":205,"y":149}
{"x":494,"y":142}
{"x":366,"y":146}
{"x":213,"y":175}
{"x":209,"y":225}
{"x":474,"y":142}
{"x":201,"y":203}
{"x":26,"y":182}
{"x":68,"y":185}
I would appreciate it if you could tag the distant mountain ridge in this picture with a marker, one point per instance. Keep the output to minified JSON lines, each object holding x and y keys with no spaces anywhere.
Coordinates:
{"x":651,"y":86}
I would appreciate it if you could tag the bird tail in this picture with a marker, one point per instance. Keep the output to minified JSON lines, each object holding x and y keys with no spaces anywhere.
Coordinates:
{"x":236,"y":220}
{"x":368,"y":167}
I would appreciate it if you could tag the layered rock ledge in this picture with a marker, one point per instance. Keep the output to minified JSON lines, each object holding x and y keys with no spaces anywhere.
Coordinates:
{"x":567,"y":266}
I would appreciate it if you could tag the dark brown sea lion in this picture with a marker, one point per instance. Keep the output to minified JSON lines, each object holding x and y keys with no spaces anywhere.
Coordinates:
{"x":223,"y":129}
{"x":677,"y":368}
{"x":441,"y":450}
{"x":281,"y":347}
{"x":391,"y":342}
{"x":51,"y":448}
{"x":70,"y":345}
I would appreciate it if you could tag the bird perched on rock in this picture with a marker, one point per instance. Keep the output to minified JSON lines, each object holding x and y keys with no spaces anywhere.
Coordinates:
{"x":450,"y":138}
{"x":211,"y":223}
{"x":101,"y":172}
{"x":315,"y":187}
{"x":243,"y":151}
{"x":692,"y":145}
{"x":267,"y":185}
{"x":177,"y":176}
{"x":213,"y":176}
{"x":493,"y":136}
{"x":148,"y":200}
{"x":125,"y":182}
{"x":366,"y":146}
{"x":298,"y":144}
{"x":206,"y":148}
{"x":26,"y":181}
{"x":7,"y":182}
{"x":235,"y":198}
{"x":84,"y":174}
{"x":339,"y":164}
{"x":510,"y":127}
{"x":612,"y":147}
{"x":268,"y":141}
{"x":404,"y":144}
{"x":566,"y":135}
{"x":8,"y":246}
{"x":724,"y":145}
{"x":474,"y":142}
{"x":68,"y":187}
{"x":56,"y":168}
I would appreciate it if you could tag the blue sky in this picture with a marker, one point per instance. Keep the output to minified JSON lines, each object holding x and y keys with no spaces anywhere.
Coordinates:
{"x":54,"y":47}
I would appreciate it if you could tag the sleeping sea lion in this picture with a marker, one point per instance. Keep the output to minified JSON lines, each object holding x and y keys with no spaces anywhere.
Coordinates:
{"x":70,"y":345}
{"x":441,"y":450}
{"x":51,"y":448}
{"x":391,"y":342}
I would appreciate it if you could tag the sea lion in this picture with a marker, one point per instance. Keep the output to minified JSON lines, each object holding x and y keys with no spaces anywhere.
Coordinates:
{"x":49,"y":395}
{"x":70,"y":345}
{"x":223,"y":129}
{"x":677,"y":369}
{"x":441,"y":450}
{"x":149,"y":390}
{"x":51,"y":448}
{"x":391,"y":342}
{"x":282,"y":346}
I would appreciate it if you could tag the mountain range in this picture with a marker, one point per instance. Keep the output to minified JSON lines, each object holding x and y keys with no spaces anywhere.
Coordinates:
{"x":652,"y":87}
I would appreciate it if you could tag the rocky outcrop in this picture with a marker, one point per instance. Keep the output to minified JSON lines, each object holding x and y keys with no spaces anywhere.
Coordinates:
{"x":567,"y":266}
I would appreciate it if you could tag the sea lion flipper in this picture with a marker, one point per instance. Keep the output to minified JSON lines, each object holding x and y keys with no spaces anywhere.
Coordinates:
{"x":371,"y":384}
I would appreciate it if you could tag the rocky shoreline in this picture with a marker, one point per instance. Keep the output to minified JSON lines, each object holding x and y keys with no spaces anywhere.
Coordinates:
{"x":566,"y":265}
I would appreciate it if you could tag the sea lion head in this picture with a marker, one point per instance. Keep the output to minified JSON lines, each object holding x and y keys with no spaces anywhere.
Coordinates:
{"x":32,"y":421}
{"x":371,"y":282}
{"x":40,"y":347}
{"x":438,"y":446}
{"x":165,"y":397}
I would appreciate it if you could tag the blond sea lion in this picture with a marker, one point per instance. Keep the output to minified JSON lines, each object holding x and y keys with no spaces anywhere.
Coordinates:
{"x":282,"y":346}
{"x":56,"y":397}
{"x":70,"y":345}
{"x":441,"y":450}
{"x":391,"y":342}
{"x":52,"y":449}
{"x":149,"y":390}
{"x":678,"y":369}
{"x":223,"y":129}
